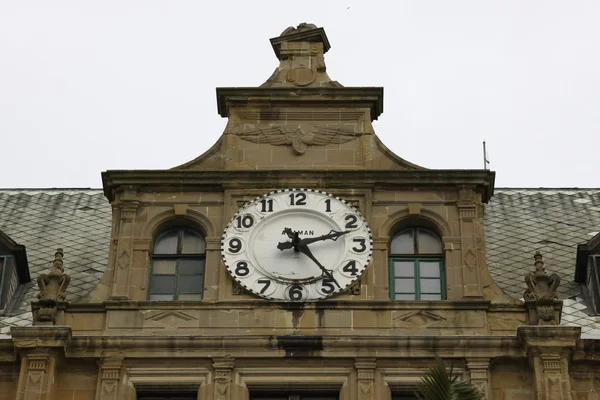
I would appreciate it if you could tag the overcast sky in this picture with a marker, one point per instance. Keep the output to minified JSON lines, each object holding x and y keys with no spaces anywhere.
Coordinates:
{"x":87,"y":86}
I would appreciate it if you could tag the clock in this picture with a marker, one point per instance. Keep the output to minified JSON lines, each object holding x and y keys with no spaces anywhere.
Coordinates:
{"x":297,"y":245}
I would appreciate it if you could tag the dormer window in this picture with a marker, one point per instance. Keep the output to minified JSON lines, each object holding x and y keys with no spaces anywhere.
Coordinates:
{"x":587,"y":272}
{"x":13,"y":268}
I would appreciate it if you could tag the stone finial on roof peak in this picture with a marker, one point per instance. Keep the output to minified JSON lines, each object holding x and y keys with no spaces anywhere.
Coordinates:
{"x":300,"y":51}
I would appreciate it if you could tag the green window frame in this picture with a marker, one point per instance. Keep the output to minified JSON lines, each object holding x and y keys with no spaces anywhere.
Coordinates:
{"x":178,"y":266}
{"x":416,"y":266}
{"x":418,"y":290}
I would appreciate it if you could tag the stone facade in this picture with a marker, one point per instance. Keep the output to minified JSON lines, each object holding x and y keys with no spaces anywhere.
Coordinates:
{"x":299,"y":129}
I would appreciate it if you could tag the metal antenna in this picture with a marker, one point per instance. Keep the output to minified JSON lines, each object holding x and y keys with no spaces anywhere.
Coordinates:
{"x":486,"y":162}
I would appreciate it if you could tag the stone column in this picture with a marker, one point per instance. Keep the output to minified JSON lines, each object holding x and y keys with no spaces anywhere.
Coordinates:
{"x":549,"y":349}
{"x":222,"y":381}
{"x":109,"y":381}
{"x":37,"y":377}
{"x":365,"y":371}
{"x":479,"y":374}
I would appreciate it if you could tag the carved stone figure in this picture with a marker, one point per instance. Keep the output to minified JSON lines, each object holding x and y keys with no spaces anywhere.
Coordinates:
{"x":53,"y":287}
{"x":540,"y":295}
{"x":297,"y":138}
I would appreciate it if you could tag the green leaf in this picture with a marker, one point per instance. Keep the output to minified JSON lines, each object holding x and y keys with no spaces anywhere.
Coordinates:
{"x":439,"y":384}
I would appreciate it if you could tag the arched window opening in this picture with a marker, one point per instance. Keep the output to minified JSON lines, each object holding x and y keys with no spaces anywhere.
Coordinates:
{"x":417,"y":266}
{"x":178,"y":265}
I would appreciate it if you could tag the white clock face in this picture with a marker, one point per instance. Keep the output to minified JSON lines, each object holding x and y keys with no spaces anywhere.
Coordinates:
{"x":297,"y":245}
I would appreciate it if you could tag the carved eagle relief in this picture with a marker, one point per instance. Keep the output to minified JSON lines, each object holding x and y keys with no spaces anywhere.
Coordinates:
{"x":299,"y":139}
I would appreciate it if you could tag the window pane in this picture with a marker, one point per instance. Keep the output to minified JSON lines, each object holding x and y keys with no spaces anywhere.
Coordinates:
{"x":163,"y":284}
{"x":166,"y":243}
{"x":403,"y":243}
{"x":404,"y":285}
{"x":191,"y":267}
{"x":192,"y":243}
{"x":429,"y":269}
{"x":191,"y":284}
{"x":166,"y":267}
{"x":431,"y":297}
{"x":404,"y":268}
{"x":430,"y":286}
{"x":399,"y":296}
{"x":159,"y":297}
{"x":428,"y":243}
{"x":190,"y":297}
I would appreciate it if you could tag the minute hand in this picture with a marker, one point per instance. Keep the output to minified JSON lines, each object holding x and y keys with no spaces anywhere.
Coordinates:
{"x":333,"y":235}
{"x":303,"y":248}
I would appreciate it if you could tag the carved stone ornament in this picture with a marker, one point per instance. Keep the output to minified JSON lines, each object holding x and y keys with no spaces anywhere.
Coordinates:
{"x":298,"y":138}
{"x":53,"y":287}
{"x":540,"y":295}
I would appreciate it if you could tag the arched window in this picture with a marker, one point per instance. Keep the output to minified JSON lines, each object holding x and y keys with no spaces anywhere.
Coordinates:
{"x":416,"y":266}
{"x":178,"y":261}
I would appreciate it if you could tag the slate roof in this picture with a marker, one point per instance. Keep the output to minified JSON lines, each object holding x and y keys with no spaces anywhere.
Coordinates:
{"x":78,"y":220}
{"x":518,"y":223}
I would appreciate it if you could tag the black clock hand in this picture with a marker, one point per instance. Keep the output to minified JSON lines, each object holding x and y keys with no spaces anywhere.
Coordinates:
{"x":333,"y":235}
{"x":292,"y":243}
{"x":303,"y":248}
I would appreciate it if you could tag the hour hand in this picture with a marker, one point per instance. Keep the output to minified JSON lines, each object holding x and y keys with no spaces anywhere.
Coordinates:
{"x":332,"y":235}
{"x":285,"y":245}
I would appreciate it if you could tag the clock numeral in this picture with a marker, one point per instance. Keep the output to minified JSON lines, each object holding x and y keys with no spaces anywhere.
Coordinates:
{"x":235,"y":245}
{"x":266,"y":205}
{"x":241,"y":269}
{"x":351,"y":268}
{"x":351,"y":221}
{"x":265,"y":282}
{"x":245,"y":221}
{"x":327,"y":286}
{"x":328,"y":205}
{"x":298,"y":199}
{"x":363,"y":245}
{"x":295,"y":292}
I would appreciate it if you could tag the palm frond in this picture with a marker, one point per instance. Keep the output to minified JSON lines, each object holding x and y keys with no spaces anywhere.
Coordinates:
{"x":439,"y":384}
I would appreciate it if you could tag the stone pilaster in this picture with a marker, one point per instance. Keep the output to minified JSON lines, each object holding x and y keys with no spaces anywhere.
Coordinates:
{"x":479,"y":374}
{"x":39,"y":348}
{"x":365,"y":373}
{"x":109,"y":378}
{"x":549,"y":350}
{"x":123,"y":255}
{"x":222,"y":381}
{"x":37,"y":377}
{"x":467,"y":213}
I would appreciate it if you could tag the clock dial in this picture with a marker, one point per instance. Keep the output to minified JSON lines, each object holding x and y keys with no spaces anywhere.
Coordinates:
{"x":296,"y":245}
